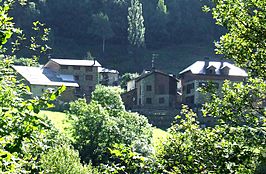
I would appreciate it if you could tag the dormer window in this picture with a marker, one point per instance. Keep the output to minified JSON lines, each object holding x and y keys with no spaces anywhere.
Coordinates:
{"x":210,"y":70}
{"x":225,"y":70}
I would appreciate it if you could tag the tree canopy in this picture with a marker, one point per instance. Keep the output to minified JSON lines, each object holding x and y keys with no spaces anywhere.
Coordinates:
{"x":245,"y":41}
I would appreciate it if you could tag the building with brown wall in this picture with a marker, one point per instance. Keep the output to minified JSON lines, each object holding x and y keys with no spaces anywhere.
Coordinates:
{"x":153,"y":90}
{"x":201,"y":72}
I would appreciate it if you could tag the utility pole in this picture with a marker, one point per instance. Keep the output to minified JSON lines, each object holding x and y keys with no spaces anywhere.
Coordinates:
{"x":154,"y":56}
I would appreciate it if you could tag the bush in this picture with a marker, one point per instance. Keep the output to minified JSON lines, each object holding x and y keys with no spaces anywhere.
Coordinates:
{"x":222,"y":149}
{"x":96,"y":127}
{"x":63,"y":159}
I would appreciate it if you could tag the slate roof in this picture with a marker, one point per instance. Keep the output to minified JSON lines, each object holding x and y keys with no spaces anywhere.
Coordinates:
{"x":76,"y":62}
{"x":44,"y":76}
{"x":199,"y":67}
{"x":147,"y":73}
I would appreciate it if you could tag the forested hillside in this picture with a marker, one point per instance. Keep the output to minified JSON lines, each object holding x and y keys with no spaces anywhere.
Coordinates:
{"x":177,"y":30}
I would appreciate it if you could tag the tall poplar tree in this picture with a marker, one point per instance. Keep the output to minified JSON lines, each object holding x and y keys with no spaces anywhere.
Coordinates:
{"x":136,"y":28}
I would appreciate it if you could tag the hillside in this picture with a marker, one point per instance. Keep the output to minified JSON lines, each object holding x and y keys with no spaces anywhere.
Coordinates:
{"x":176,"y":30}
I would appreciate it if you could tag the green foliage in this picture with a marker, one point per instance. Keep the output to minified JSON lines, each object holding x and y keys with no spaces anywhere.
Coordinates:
{"x":126,"y":78}
{"x":23,"y":135}
{"x":100,"y":124}
{"x":239,"y":103}
{"x":136,"y":28}
{"x":162,"y":7}
{"x":101,"y":27}
{"x":63,"y":159}
{"x":245,"y":40}
{"x":109,"y":98}
{"x":221,"y":149}
{"x":124,"y":160}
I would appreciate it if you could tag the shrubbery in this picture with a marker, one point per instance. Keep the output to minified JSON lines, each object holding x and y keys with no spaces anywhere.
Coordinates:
{"x":99,"y":125}
{"x":63,"y":159}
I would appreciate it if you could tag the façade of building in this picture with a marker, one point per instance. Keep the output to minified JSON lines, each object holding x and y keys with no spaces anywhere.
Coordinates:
{"x":152,"y":90}
{"x":79,"y":76}
{"x":201,"y":72}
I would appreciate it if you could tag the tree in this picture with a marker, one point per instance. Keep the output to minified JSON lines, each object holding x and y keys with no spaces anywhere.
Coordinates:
{"x":126,"y":78}
{"x":103,"y":122}
{"x":245,"y":40}
{"x":24,"y":135}
{"x":64,"y":159}
{"x":224,"y":148}
{"x":136,"y":28}
{"x":101,"y":27}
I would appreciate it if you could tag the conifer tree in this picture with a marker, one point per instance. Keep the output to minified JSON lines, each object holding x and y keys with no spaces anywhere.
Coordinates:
{"x":136,"y":28}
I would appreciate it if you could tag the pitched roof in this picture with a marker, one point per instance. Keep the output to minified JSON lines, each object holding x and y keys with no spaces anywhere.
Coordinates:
{"x":76,"y":62}
{"x":199,"y":67}
{"x":148,"y":73}
{"x":44,"y":76}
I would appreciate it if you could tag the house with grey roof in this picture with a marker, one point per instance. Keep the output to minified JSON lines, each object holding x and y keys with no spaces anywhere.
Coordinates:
{"x":79,"y":76}
{"x":40,"y":79}
{"x":201,"y":72}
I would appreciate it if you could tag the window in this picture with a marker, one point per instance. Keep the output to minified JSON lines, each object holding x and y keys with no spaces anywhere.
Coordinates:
{"x":211,"y":70}
{"x":64,"y":67}
{"x":148,"y":88}
{"x":148,"y":101}
{"x":89,"y":68}
{"x":76,"y":67}
{"x":76,"y":77}
{"x":190,"y":87}
{"x":89,"y":77}
{"x":161,"y":100}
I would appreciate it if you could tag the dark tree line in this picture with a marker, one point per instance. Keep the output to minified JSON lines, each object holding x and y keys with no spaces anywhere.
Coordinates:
{"x":167,"y":22}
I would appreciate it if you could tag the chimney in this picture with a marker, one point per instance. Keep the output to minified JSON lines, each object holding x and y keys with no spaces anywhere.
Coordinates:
{"x":206,"y":60}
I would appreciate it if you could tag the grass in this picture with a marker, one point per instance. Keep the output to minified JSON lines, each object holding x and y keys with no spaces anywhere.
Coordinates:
{"x":58,"y":119}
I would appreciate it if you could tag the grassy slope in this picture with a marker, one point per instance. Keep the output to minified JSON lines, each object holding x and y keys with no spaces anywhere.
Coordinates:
{"x":59,"y":121}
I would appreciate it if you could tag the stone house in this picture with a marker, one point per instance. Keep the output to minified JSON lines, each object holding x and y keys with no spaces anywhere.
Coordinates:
{"x":201,"y":72}
{"x":40,"y":79}
{"x":85,"y":73}
{"x":153,"y":90}
{"x":79,"y":76}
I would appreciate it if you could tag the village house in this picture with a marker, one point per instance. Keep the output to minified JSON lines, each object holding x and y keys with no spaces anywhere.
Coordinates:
{"x":201,"y":72}
{"x":40,"y":79}
{"x":79,"y":76}
{"x":152,"y":90}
